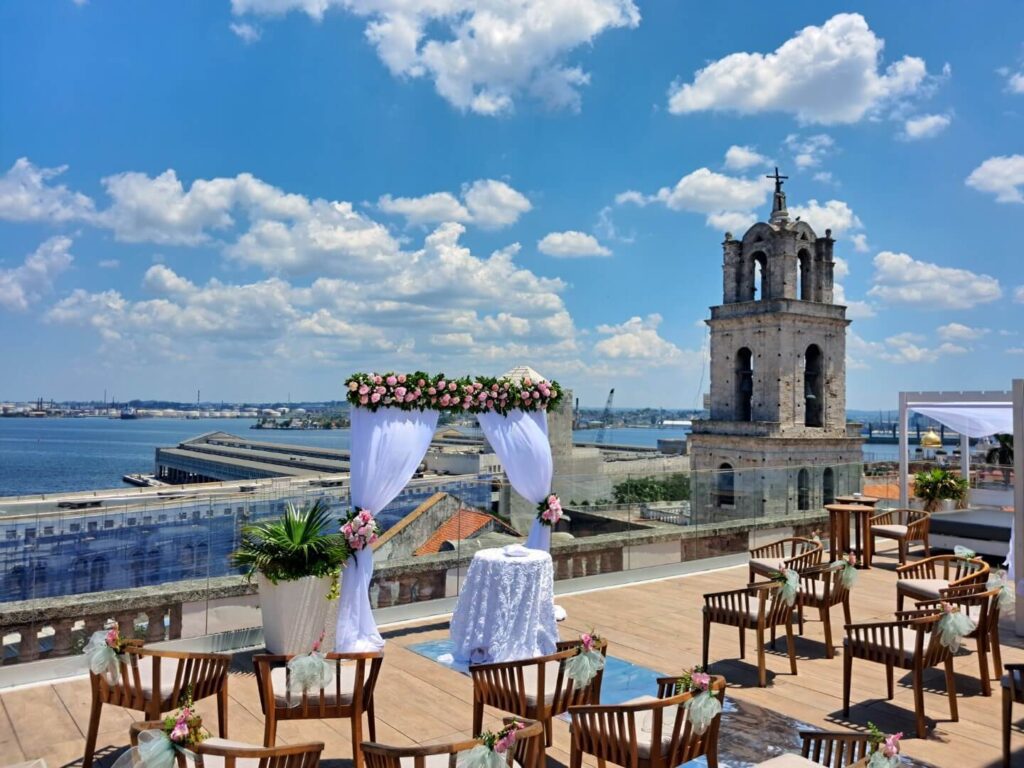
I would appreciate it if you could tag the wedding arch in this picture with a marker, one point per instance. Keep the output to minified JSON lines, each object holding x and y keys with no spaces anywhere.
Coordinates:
{"x":394,"y":417}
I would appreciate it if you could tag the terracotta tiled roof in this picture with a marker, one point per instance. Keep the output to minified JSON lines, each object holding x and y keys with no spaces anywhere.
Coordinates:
{"x":461,"y":525}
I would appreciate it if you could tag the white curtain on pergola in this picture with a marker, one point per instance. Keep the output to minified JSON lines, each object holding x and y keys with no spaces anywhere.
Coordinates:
{"x":971,"y":419}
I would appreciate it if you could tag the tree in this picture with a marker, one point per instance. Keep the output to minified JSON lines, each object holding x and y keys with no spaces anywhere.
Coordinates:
{"x":641,"y":489}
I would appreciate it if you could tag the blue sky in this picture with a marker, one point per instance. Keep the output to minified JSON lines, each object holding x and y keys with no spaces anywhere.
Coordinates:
{"x":258,"y":197}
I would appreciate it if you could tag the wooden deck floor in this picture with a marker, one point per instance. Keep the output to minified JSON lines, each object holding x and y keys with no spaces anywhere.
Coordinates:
{"x":654,"y":624}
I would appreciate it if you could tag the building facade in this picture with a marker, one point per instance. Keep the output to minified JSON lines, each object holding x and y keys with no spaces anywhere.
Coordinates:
{"x":776,"y":442}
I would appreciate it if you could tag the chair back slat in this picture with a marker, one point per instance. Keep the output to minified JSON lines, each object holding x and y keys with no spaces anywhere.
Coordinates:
{"x":527,"y":750}
{"x":834,"y":750}
{"x":322,"y":703}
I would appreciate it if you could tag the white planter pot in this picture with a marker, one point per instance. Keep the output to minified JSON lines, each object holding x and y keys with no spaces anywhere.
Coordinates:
{"x":294,"y":613}
{"x":947,"y":505}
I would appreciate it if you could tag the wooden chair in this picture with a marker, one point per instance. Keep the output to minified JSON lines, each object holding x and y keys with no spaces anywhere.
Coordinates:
{"x":533,"y":689}
{"x":623,"y":734}
{"x":154,"y":682}
{"x":221,"y":753}
{"x":823,"y":588}
{"x":349,"y":695}
{"x":526,"y":752}
{"x":888,"y":525}
{"x":983,"y":608}
{"x":835,"y":749}
{"x":1013,"y":692}
{"x":910,"y":642}
{"x":757,"y":607}
{"x":795,"y":552}
{"x":925,"y":579}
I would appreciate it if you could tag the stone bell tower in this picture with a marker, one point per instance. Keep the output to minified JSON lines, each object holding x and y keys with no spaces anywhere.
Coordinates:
{"x":776,"y":442}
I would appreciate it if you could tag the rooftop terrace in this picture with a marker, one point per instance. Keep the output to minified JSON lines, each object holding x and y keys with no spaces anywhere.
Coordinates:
{"x":654,"y":624}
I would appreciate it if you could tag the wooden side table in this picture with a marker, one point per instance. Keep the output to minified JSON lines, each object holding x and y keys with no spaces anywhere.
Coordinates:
{"x":839,"y":518}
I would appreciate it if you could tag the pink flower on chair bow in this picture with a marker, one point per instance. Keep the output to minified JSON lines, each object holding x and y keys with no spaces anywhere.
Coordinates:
{"x":549,"y":511}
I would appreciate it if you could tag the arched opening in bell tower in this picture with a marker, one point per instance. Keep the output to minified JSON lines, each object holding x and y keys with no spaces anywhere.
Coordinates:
{"x":803,"y":260}
{"x":813,"y":386}
{"x":725,"y":486}
{"x":760,"y":270}
{"x":803,"y":490}
{"x":828,"y":486}
{"x":744,"y":385}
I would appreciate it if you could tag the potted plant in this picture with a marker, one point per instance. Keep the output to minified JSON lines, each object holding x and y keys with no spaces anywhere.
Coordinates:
{"x":296,"y":562}
{"x":940,"y":488}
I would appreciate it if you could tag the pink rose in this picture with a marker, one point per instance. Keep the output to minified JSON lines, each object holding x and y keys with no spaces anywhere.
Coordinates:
{"x":391,"y":380}
{"x":375,"y":397}
{"x":445,"y":399}
{"x":421,"y":383}
{"x":377,"y":379}
{"x":588,"y":641}
{"x":891,"y":748}
{"x":410,"y":398}
{"x":381,"y":390}
{"x":441,"y":384}
{"x":401,"y":378}
{"x":701,"y":679}
{"x":363,"y":390}
{"x":490,"y":404}
{"x":536,"y":395}
{"x":180,"y":731}
{"x":432,"y":391}
{"x":363,"y":400}
{"x":482,"y":397}
{"x":527,"y":382}
{"x":400,"y":392}
{"x":452,"y":386}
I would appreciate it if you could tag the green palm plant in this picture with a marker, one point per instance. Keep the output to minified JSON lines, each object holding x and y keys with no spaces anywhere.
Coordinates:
{"x":292,"y":547}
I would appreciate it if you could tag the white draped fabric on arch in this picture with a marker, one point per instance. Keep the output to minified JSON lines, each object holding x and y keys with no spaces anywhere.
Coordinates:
{"x":387,"y":446}
{"x":520,"y":439}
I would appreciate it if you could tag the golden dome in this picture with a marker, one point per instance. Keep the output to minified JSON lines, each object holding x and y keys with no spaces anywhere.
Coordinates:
{"x":931,"y":440}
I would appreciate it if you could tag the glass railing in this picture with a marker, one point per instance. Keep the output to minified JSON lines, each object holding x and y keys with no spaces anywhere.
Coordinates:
{"x":162,"y":563}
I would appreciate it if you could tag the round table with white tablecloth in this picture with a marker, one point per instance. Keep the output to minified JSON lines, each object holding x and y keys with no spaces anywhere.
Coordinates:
{"x":506,"y":608}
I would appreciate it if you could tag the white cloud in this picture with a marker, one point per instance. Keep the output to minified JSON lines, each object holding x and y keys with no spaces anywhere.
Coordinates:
{"x":1018,"y":294}
{"x":825,"y":177}
{"x":1014,"y":80}
{"x":637,"y":339}
{"x":900,"y":279}
{"x":489,"y":203}
{"x":739,"y":158}
{"x":855,"y":308}
{"x":26,"y":194}
{"x":828,"y":74}
{"x":809,"y":151}
{"x":960,"y":332}
{"x":726,"y":201}
{"x":860,"y":243}
{"x":108,"y":264}
{"x":907,"y":348}
{"x":432,"y":208}
{"x":1000,"y":176}
{"x":571,"y":244}
{"x":247,"y":33}
{"x":925,"y":126}
{"x":834,"y":214}
{"x":434,"y":305}
{"x":493,"y":204}
{"x":24,"y":285}
{"x":481,"y":57}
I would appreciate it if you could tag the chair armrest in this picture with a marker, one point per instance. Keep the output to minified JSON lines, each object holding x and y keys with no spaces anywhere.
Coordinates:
{"x":919,"y":613}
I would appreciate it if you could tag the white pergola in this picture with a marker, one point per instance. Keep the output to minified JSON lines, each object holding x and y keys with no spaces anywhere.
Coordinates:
{"x":974,"y":414}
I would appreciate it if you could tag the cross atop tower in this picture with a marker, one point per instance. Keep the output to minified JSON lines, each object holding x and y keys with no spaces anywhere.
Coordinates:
{"x":778,"y":179}
{"x":779,"y":213}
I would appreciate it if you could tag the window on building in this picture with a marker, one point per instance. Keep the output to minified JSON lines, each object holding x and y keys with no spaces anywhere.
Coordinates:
{"x":828,"y":486}
{"x":725,"y":486}
{"x":803,"y":490}
{"x":93,"y":527}
{"x":744,"y":384}
{"x":813,"y":387}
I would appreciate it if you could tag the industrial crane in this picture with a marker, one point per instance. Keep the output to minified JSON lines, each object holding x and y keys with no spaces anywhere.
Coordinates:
{"x":606,"y":416}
